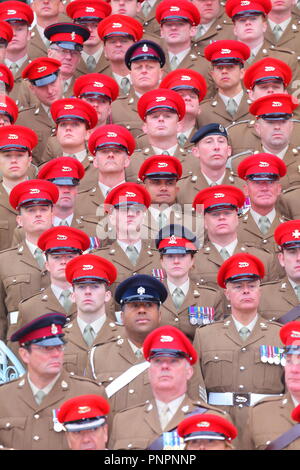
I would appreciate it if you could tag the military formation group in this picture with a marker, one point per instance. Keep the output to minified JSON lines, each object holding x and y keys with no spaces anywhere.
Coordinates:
{"x":150,"y":224}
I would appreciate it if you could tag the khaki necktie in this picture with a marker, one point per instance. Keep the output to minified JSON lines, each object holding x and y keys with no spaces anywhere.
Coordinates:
{"x":146,"y":7}
{"x":174,"y":62}
{"x":162,"y":220}
{"x":224,"y":253}
{"x":39,"y":396}
{"x":65,"y":300}
{"x":165,"y":152}
{"x":251,"y":58}
{"x":63,"y":222}
{"x":125,"y":85}
{"x":164,"y":416}
{"x":14,"y":68}
{"x":277,"y":31}
{"x":297,"y":291}
{"x":132,"y":254}
{"x":91,"y":63}
{"x":244,"y":332}
{"x":38,"y":255}
{"x":264,"y":224}
{"x":89,"y":335}
{"x":138,"y":354}
{"x":231,"y":107}
{"x":182,"y":139}
{"x":200,"y":32}
{"x":178,"y":297}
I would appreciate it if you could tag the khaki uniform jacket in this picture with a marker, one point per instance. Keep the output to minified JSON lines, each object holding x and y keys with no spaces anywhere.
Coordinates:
{"x":17,"y":92}
{"x":219,"y":30}
{"x":77,"y":351}
{"x":20,"y":277}
{"x":101,"y":66}
{"x":90,"y":202}
{"x":36,"y":47}
{"x":289,"y":39}
{"x":138,"y":427}
{"x":125,"y":108}
{"x":289,"y":202}
{"x":277,"y":298}
{"x":199,"y":296}
{"x":24,"y":425}
{"x":8,"y":221}
{"x":269,"y":419}
{"x":249,"y":232}
{"x":229,"y":364}
{"x":150,"y":25}
{"x":213,"y":110}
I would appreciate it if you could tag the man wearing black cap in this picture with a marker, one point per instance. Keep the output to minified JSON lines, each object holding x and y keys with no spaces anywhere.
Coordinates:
{"x":144,"y":59}
{"x":210,"y":153}
{"x":34,"y":399}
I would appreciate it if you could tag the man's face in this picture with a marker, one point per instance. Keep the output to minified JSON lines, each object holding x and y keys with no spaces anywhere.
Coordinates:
{"x":292,"y":373}
{"x":208,"y":9}
{"x":177,"y":266}
{"x":213,"y":151}
{"x":56,"y":265}
{"x":177,"y":32}
{"x":223,"y":222}
{"x":127,"y":220}
{"x":263,"y":194}
{"x":90,"y":439}
{"x":91,"y":298}
{"x":67,"y":196}
{"x":140,"y":318}
{"x":290,"y":261}
{"x":47,"y":8}
{"x":125,"y":7}
{"x":14,"y":165}
{"x":94,"y":39}
{"x":102,"y":106}
{"x":69,"y":59}
{"x":250,"y":28}
{"x":266,"y":88}
{"x":20,"y":38}
{"x":145,"y":74}
{"x":71,"y":133}
{"x":206,"y":444}
{"x":44,"y":362}
{"x":47,"y":94}
{"x":162,"y":191}
{"x":116,"y":47}
{"x":243,"y":295}
{"x":227,"y":76}
{"x":35,"y":219}
{"x":275,"y":135}
{"x":282,"y":6}
{"x":192,"y":104}
{"x":111,"y":160}
{"x":161,"y":123}
{"x":169,"y":374}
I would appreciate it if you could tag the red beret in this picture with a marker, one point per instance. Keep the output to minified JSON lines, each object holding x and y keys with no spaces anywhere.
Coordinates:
{"x":185,"y":79}
{"x":265,"y":70}
{"x":96,"y":84}
{"x":219,"y":197}
{"x":247,"y":7}
{"x":276,"y":104}
{"x":206,"y":426}
{"x":90,"y":268}
{"x":241,"y":266}
{"x":127,"y":193}
{"x":287,"y":234}
{"x":111,"y":135}
{"x":6,"y":31}
{"x":61,"y":170}
{"x":290,"y":333}
{"x":7,"y":77}
{"x":83,"y":409}
{"x":16,"y":11}
{"x":163,"y":166}
{"x":227,"y":51}
{"x":88,"y":10}
{"x":42,"y":71}
{"x":37,"y":192}
{"x":17,"y":138}
{"x":120,"y":25}
{"x":161,"y":98}
{"x":9,"y":108}
{"x":60,"y":239}
{"x":261,"y":166}
{"x":177,"y":10}
{"x":295,"y":415}
{"x":169,"y":341}
{"x":74,"y":108}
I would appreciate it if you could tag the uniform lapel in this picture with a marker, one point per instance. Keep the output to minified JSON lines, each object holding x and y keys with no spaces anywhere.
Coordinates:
{"x":4,"y":200}
{"x":26,"y":256}
{"x":127,"y":353}
{"x":152,"y":418}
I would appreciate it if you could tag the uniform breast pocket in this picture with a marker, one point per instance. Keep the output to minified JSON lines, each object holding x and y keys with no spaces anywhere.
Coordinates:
{"x":267,"y":378}
{"x":217,"y":369}
{"x":12,"y":432}
{"x":17,"y":288}
{"x":54,"y":440}
{"x":71,"y":362}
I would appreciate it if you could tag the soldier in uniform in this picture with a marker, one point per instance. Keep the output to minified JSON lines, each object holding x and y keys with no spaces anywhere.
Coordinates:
{"x":188,"y":305}
{"x":85,"y":421}
{"x":29,"y":405}
{"x":146,"y":15}
{"x":279,"y":297}
{"x":73,"y":118}
{"x":283,"y":26}
{"x":230,"y":103}
{"x":288,"y":202}
{"x":272,"y":421}
{"x":171,"y":356}
{"x":6,"y":35}
{"x":43,"y":87}
{"x":112,"y":146}
{"x":89,"y":13}
{"x":118,"y":33}
{"x":237,"y":356}
{"x":22,"y":268}
{"x":60,"y":245}
{"x":261,"y":173}
{"x":220,"y":206}
{"x":212,"y":150}
{"x":145,"y":60}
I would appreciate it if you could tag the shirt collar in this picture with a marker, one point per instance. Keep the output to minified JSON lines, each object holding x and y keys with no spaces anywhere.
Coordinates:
{"x":173,"y":405}
{"x":97,"y":324}
{"x":57,"y":220}
{"x":271,"y":215}
{"x":46,"y":389}
{"x":96,"y":56}
{"x":237,"y":98}
{"x":80,"y":156}
{"x":230,"y":248}
{"x":159,"y":151}
{"x":283,"y":25}
{"x":124,"y":245}
{"x":184,"y":287}
{"x":210,"y":182}
{"x":250,"y":326}
{"x":180,"y":56}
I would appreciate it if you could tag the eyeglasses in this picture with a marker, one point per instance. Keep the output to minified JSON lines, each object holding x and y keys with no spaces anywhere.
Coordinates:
{"x":64,"y":52}
{"x":48,"y":349}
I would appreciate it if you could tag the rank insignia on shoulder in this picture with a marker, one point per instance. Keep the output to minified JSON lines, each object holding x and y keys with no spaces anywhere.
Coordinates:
{"x":201,"y":315}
